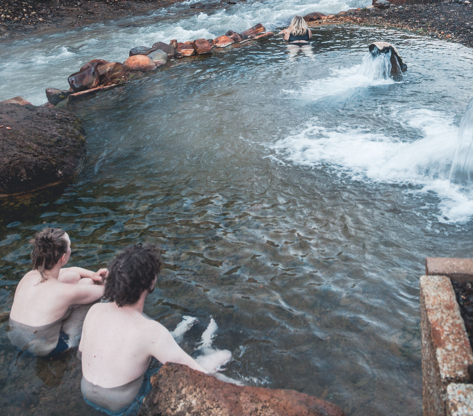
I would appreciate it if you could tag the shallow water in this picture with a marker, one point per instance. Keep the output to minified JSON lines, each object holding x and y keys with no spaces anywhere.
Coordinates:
{"x":295,"y":200}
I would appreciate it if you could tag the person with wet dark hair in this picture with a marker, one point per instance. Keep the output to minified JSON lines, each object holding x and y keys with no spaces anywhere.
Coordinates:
{"x":46,"y":314}
{"x":118,"y":340}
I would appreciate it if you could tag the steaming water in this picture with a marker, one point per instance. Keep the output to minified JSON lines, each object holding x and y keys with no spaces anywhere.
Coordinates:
{"x":295,"y":200}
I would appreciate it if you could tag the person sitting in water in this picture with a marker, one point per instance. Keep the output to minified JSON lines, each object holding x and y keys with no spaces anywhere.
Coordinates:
{"x":118,"y":340}
{"x":43,"y":305}
{"x":298,"y":33}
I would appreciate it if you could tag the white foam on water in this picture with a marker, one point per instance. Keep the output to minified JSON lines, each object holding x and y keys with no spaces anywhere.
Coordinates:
{"x":183,"y":326}
{"x":371,"y":72}
{"x":363,"y":154}
{"x":208,"y":335}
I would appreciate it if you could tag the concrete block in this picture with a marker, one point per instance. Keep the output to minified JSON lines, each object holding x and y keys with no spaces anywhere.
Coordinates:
{"x":446,"y":351}
{"x":460,"y":270}
{"x":459,"y":399}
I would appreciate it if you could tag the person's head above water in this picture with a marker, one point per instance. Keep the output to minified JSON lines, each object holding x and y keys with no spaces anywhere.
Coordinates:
{"x":298,"y":26}
{"x":50,"y":246}
{"x":132,"y":272}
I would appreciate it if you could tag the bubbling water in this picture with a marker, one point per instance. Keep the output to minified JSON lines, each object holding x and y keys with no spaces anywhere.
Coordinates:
{"x":462,"y":165}
{"x":376,"y":67}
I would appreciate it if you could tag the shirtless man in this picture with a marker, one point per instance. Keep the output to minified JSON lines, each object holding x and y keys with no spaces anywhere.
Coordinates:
{"x":45,"y":298}
{"x":118,"y":341}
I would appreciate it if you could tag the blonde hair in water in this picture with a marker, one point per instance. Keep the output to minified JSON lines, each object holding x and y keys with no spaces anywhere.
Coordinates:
{"x":298,"y":26}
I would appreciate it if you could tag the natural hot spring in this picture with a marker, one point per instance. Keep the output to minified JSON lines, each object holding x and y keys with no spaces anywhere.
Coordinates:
{"x":295,"y":200}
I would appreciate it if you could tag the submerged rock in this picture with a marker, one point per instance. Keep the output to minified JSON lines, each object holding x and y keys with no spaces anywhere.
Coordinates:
{"x":312,"y":17}
{"x":253,"y":31}
{"x":55,"y":96}
{"x":158,"y":57}
{"x":42,"y":147}
{"x":186,"y":49}
{"x":139,"y":63}
{"x":140,"y":50}
{"x":223,"y":41}
{"x":202,"y":46}
{"x":179,"y":390}
{"x":84,"y":80}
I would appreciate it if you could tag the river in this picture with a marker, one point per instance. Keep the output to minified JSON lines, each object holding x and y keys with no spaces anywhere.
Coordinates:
{"x":295,"y":199}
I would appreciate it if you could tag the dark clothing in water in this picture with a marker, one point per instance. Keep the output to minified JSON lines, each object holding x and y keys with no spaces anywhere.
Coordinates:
{"x":122,"y":400}
{"x":39,"y":340}
{"x":303,"y":39}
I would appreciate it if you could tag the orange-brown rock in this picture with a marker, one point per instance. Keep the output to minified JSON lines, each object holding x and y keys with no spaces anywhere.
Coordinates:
{"x":178,"y":390}
{"x":173,"y":43}
{"x":223,"y":41}
{"x":253,"y":31}
{"x":93,"y":64}
{"x":263,"y":36}
{"x":186,"y":49}
{"x":110,"y":71}
{"x":311,"y":17}
{"x":139,"y":63}
{"x":236,"y":37}
{"x":202,"y":46}
{"x":16,"y":100}
{"x":84,"y":80}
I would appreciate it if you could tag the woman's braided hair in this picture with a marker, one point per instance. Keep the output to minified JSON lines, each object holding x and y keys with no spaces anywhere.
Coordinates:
{"x":49,"y":245}
{"x":132,"y":272}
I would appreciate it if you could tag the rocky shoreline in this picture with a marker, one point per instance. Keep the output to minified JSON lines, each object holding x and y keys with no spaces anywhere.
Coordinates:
{"x":448,"y":20}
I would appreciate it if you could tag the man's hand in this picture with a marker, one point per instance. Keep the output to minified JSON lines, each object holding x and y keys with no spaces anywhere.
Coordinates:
{"x":100,"y":275}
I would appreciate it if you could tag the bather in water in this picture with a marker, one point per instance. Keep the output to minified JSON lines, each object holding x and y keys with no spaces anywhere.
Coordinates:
{"x":298,"y":36}
{"x":50,"y":301}
{"x":118,"y":340}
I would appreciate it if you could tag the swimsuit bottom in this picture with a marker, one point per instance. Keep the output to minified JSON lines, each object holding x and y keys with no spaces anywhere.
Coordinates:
{"x":122,"y":400}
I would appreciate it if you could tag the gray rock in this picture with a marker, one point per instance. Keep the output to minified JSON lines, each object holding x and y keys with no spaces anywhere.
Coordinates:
{"x":140,"y":50}
{"x":158,"y":56}
{"x":55,"y":96}
{"x":381,"y":4}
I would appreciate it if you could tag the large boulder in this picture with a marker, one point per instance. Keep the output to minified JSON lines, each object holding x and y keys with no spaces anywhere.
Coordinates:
{"x":170,"y":50}
{"x":253,"y":31}
{"x":186,"y":49}
{"x":41,"y":147}
{"x":181,"y":391}
{"x":312,"y":17}
{"x":84,"y":80}
{"x":139,"y":63}
{"x":223,"y":41}
{"x":202,"y":46}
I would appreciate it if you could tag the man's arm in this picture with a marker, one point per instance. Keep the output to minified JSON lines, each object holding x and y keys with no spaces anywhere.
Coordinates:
{"x":165,"y":349}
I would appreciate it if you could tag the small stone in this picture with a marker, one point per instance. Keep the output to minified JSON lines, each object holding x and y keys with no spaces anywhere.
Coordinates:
{"x":140,"y":50}
{"x":170,"y":50}
{"x":139,"y":63}
{"x":55,"y":96}
{"x":311,"y":17}
{"x":158,"y":56}
{"x":84,"y":80}
{"x":93,"y":64}
{"x":185,"y":49}
{"x":173,"y":43}
{"x":264,"y":36}
{"x":253,"y":31}
{"x":381,"y":4}
{"x":202,"y":46}
{"x":223,"y":41}
{"x":236,"y":37}
{"x":16,"y":100}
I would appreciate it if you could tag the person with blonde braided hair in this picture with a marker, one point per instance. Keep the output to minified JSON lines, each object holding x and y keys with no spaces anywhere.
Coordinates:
{"x":45,"y":308}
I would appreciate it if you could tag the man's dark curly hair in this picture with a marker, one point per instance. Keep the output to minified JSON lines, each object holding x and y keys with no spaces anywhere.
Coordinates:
{"x":132,"y":272}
